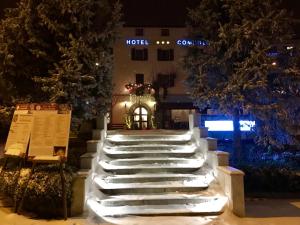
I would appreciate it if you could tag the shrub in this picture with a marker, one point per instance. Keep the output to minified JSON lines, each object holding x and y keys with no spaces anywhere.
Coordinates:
{"x":270,"y":179}
{"x":5,"y":118}
{"x":44,"y":191}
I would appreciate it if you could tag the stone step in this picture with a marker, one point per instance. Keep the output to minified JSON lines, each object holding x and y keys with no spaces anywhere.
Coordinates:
{"x":138,"y":165}
{"x":150,"y":147}
{"x":119,"y":137}
{"x":148,"y":183}
{"x":116,"y":153}
{"x":148,"y":139}
{"x":177,"y":204}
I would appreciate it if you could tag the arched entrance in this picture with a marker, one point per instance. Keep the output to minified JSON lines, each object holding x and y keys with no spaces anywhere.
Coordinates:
{"x":140,"y":116}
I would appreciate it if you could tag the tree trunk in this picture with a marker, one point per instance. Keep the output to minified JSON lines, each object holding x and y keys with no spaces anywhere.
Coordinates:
{"x":237,"y":146}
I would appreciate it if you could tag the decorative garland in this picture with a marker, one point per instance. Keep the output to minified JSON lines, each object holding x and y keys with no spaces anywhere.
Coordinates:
{"x":139,"y":89}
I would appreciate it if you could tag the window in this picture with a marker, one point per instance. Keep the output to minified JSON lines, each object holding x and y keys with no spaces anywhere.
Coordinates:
{"x":166,"y":80}
{"x":139,"y":78}
{"x":139,"y":54}
{"x":165,"y":54}
{"x":165,"y":32}
{"x":139,"y":32}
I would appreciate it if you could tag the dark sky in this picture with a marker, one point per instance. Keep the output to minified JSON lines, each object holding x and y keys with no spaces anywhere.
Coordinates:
{"x":161,"y":12}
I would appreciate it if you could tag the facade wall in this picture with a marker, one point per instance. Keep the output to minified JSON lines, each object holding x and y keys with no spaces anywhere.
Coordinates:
{"x":126,"y":69}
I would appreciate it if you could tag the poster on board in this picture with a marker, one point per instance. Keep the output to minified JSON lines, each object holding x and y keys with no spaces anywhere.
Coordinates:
{"x":50,"y":133}
{"x":19,"y":132}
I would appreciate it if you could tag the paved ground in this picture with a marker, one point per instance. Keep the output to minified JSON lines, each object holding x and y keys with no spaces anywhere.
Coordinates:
{"x":259,"y":212}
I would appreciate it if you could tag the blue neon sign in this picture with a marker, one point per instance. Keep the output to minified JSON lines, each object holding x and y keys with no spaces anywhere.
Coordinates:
{"x":188,"y":42}
{"x":137,"y":42}
{"x":227,"y":125}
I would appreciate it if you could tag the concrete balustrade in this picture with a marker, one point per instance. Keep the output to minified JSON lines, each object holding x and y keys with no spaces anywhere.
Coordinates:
{"x":232,"y":182}
{"x":208,"y":144}
{"x":96,"y":134}
{"x":230,"y":179}
{"x":216,"y":159}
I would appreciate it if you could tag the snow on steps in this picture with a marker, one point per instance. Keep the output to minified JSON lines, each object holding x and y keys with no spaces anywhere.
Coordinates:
{"x":158,"y":205}
{"x":152,"y":174}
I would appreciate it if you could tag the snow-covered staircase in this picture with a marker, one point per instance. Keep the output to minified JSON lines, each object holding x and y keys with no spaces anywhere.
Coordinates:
{"x":153,"y":173}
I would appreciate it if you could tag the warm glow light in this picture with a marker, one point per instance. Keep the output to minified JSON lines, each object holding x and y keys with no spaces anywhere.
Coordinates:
{"x":162,"y":42}
{"x":274,"y":63}
{"x":157,"y":42}
{"x":289,"y":47}
{"x":151,"y":103}
{"x":97,"y":64}
{"x":168,"y":42}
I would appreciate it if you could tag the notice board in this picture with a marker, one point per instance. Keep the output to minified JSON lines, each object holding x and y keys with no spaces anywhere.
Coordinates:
{"x":46,"y":131}
{"x":19,"y":132}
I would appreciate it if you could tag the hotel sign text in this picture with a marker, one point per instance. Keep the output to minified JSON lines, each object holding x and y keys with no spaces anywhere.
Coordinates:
{"x":137,"y":42}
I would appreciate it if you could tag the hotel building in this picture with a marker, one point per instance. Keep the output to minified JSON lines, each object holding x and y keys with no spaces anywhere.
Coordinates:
{"x":149,"y":89}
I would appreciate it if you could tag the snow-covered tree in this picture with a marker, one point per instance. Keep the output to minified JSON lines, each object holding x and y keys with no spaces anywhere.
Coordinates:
{"x":235,"y":73}
{"x":60,"y":51}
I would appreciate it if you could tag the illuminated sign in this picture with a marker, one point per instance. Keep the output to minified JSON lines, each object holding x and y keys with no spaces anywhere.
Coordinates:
{"x":187,"y":42}
{"x":227,"y":125}
{"x":137,"y":42}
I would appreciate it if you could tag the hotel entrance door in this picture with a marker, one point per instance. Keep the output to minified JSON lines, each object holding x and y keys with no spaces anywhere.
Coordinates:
{"x":140,"y":118}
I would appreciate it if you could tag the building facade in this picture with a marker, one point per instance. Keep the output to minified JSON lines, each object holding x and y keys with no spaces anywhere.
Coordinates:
{"x":149,"y":90}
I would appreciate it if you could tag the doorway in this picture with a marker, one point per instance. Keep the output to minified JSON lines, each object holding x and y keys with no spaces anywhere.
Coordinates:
{"x":140,"y":118}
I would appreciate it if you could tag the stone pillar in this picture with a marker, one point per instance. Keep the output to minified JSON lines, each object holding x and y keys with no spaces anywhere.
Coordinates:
{"x":216,"y":159}
{"x":232,"y":182}
{"x":100,"y":122}
{"x":78,"y":194}
{"x":193,"y":120}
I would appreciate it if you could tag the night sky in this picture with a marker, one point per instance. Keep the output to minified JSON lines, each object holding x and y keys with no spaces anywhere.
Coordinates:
{"x":162,"y":12}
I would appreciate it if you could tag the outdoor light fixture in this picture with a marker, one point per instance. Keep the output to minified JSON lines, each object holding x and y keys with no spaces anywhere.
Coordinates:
{"x":162,"y":42}
{"x":274,"y":63}
{"x":289,"y":47}
{"x":97,"y":64}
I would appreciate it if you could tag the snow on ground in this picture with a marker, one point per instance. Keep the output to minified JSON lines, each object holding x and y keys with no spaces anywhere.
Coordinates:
{"x":259,"y":212}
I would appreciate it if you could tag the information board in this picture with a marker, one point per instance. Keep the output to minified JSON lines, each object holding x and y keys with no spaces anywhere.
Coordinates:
{"x":19,"y":133}
{"x":45,"y":127}
{"x":50,"y":133}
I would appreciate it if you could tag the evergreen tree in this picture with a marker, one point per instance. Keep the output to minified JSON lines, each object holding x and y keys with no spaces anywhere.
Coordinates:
{"x":235,"y":73}
{"x":60,"y":51}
